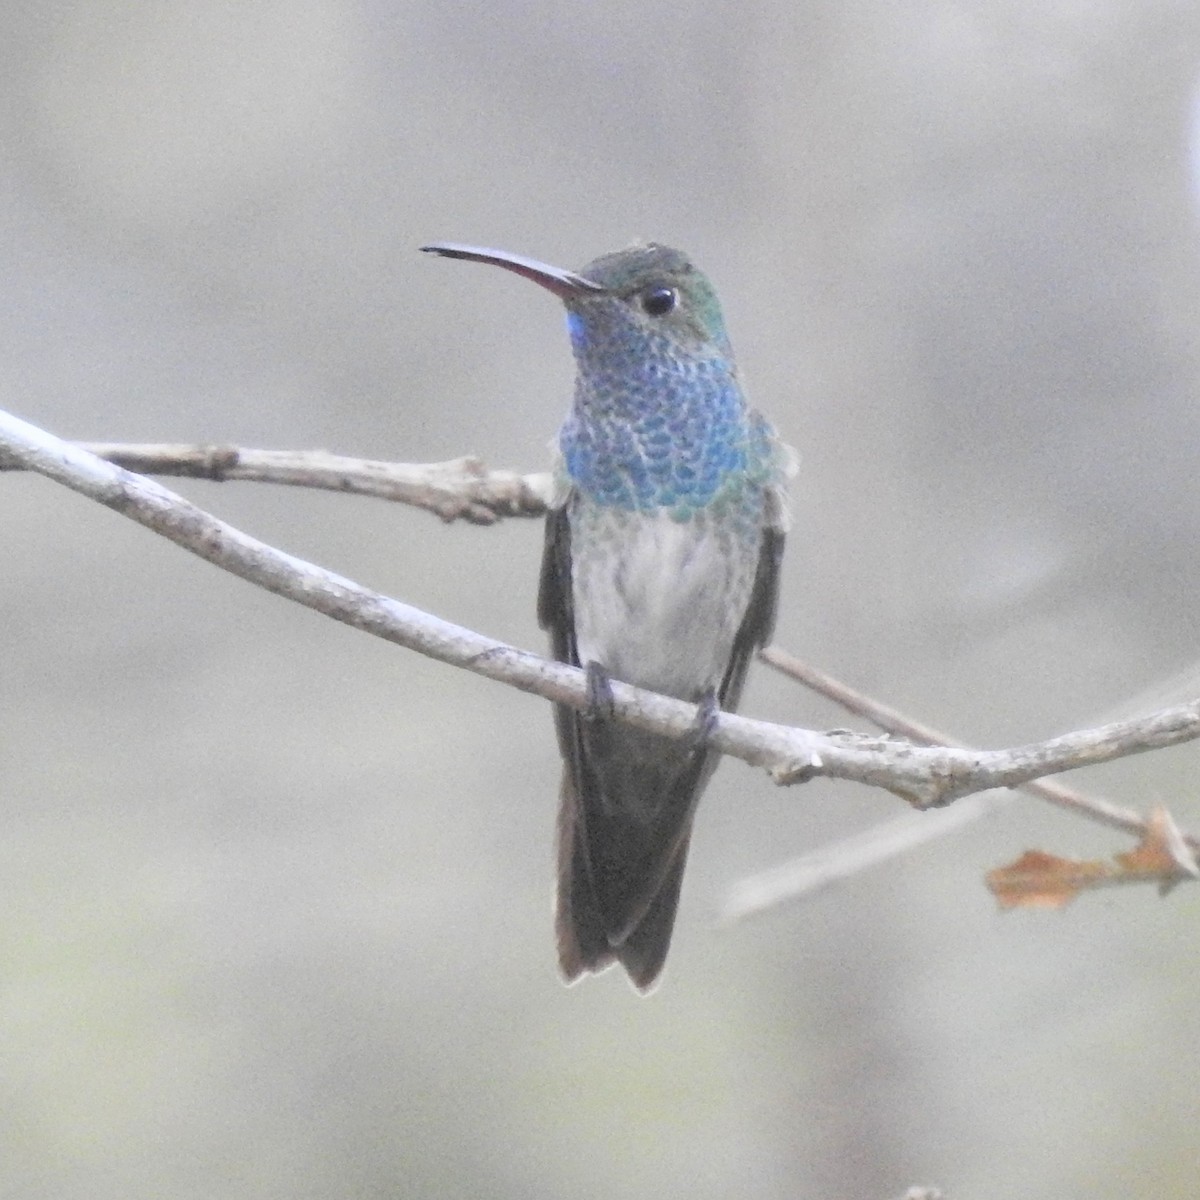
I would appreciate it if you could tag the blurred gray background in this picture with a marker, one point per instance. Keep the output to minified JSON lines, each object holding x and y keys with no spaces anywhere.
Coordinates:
{"x":276,"y":896}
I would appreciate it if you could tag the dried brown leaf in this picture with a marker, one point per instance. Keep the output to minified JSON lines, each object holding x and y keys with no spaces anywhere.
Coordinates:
{"x":1161,"y":855}
{"x":1040,"y":880}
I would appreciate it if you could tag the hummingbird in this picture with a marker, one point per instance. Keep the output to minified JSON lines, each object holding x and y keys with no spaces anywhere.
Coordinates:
{"x":660,"y":569}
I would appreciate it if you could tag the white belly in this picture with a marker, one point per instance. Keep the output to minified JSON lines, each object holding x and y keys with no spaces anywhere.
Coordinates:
{"x":661,"y":608}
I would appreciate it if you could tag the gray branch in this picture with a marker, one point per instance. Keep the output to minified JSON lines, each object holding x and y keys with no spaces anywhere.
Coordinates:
{"x":924,"y":776}
{"x":461,"y":489}
{"x":810,"y":873}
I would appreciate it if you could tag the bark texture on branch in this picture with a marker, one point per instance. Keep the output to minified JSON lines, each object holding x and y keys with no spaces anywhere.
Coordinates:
{"x":925,"y":776}
{"x":459,"y":489}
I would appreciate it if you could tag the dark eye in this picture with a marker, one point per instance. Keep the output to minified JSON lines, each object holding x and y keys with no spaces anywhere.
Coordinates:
{"x":658,"y":301}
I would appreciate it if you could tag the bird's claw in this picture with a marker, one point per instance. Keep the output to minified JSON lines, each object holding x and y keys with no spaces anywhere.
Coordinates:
{"x":599,"y":694}
{"x":705,"y":724}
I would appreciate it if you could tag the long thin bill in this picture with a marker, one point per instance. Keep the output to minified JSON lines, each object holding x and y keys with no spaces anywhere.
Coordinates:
{"x":562,"y":283}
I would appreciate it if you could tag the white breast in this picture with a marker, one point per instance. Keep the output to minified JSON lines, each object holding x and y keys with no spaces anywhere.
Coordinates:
{"x":660,"y":609}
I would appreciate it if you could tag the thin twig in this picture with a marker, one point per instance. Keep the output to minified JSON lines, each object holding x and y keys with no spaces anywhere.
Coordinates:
{"x":460,"y":489}
{"x":893,"y":721}
{"x":923,"y":775}
{"x":811,"y":873}
{"x":807,"y":874}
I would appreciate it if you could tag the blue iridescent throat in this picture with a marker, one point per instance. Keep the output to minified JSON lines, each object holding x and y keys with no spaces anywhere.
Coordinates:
{"x":659,"y":430}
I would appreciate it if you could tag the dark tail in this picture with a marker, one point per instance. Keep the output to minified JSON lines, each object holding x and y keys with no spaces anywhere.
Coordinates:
{"x":587,"y":941}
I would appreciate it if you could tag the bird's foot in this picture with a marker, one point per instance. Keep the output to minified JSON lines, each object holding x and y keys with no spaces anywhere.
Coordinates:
{"x":705,"y":724}
{"x":599,"y":694}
